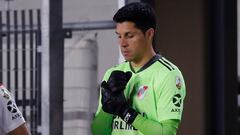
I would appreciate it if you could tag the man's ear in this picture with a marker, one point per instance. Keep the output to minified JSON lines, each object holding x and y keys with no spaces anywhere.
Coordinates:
{"x":150,"y":33}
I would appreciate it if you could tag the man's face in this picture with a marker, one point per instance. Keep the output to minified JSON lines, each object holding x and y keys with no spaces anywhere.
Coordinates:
{"x":132,"y":41}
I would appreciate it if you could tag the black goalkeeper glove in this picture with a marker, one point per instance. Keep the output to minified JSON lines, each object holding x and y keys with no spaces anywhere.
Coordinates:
{"x":118,"y":80}
{"x":113,"y":99}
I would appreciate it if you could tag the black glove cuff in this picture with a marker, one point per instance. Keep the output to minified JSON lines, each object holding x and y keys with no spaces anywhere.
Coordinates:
{"x":129,"y":115}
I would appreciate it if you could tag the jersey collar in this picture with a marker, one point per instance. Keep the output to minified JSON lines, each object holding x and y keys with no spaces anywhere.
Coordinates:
{"x":148,"y":64}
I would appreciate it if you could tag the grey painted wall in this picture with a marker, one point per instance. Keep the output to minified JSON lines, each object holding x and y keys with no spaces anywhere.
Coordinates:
{"x":95,"y":10}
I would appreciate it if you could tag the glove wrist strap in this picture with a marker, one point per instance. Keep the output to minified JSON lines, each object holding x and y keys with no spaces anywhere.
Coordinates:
{"x":129,"y":115}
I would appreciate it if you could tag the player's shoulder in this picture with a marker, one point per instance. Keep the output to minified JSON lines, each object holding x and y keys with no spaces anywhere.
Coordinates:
{"x":165,"y":64}
{"x":166,"y":67}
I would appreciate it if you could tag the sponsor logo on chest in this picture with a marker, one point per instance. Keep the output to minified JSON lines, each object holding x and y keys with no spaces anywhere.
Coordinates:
{"x":119,"y":124}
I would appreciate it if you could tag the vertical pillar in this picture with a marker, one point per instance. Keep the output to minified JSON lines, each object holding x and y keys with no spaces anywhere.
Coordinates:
{"x":222,"y":67}
{"x":52,"y":67}
{"x":56,"y":53}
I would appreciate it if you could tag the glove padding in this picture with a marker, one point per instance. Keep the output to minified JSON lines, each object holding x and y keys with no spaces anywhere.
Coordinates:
{"x":113,"y":99}
{"x":118,"y":80}
{"x":112,"y":103}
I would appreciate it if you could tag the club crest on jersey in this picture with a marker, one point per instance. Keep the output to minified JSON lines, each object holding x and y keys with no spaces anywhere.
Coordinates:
{"x":178,"y":82}
{"x":142,"y":91}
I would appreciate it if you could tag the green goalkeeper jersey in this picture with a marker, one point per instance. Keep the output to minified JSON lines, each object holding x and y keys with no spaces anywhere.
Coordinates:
{"x":156,"y":91}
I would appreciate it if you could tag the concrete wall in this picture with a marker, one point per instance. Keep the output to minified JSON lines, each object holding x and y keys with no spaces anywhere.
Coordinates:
{"x":80,"y":103}
{"x":180,"y":38}
{"x":94,"y":10}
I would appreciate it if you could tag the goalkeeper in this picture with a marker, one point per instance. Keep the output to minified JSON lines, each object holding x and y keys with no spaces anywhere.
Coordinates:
{"x":145,"y":94}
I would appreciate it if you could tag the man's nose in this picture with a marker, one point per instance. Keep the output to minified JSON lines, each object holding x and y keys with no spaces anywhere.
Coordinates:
{"x":122,"y":42}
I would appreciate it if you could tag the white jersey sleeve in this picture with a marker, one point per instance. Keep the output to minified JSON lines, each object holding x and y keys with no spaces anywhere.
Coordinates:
{"x":10,"y":116}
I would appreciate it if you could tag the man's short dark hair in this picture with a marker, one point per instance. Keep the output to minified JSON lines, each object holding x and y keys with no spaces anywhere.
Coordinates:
{"x":141,"y":14}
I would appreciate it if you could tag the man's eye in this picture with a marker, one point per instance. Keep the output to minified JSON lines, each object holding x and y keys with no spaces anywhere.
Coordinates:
{"x":130,"y":36}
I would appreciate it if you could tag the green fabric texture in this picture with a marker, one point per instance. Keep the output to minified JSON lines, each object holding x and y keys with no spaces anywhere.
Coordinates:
{"x":102,"y":124}
{"x":149,"y":127}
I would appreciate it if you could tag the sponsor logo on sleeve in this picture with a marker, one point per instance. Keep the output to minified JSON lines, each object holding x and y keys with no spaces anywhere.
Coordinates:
{"x":11,"y":105}
{"x":177,"y":101}
{"x":12,"y":108}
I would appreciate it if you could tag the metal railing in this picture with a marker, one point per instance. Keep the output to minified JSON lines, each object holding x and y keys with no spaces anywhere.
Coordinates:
{"x":20,"y":61}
